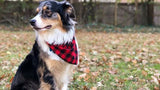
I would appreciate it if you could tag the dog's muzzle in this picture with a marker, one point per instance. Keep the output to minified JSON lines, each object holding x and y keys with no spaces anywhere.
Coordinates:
{"x":33,"y":22}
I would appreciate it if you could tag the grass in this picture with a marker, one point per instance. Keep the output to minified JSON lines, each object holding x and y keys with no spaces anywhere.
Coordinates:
{"x":108,"y":61}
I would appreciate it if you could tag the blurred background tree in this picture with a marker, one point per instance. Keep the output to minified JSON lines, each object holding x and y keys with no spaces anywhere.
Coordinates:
{"x":89,"y":12}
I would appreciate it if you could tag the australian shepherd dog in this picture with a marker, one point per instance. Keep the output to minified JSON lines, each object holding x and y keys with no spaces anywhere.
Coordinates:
{"x":54,"y":55}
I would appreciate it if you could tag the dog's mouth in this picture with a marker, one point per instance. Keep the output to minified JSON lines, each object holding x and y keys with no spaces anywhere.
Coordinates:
{"x":46,"y":27}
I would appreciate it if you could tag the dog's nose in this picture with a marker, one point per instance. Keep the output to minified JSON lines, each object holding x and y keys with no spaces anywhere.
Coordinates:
{"x":32,"y":22}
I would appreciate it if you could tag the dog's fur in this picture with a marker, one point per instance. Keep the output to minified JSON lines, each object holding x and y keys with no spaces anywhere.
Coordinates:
{"x":42,"y":69}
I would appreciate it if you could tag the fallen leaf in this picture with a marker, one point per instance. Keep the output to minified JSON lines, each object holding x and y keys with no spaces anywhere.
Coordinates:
{"x":110,"y":64}
{"x":8,"y":85}
{"x":95,"y":74}
{"x":112,"y":71}
{"x":104,"y":58}
{"x":156,"y":88}
{"x":94,"y":59}
{"x":82,"y":53}
{"x":109,"y":51}
{"x":86,"y":70}
{"x":93,"y":88}
{"x":85,"y":88}
{"x":127,"y":59}
{"x":143,"y":88}
{"x":121,"y":81}
{"x":144,"y":49}
{"x":144,"y":73}
{"x":157,"y":61}
{"x":144,"y":62}
{"x":82,"y":76}
{"x":11,"y":79}
{"x":134,"y":61}
{"x":2,"y":76}
{"x":154,"y":79}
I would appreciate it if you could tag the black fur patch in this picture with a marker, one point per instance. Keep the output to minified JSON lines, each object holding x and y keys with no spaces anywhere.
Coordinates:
{"x":27,"y":76}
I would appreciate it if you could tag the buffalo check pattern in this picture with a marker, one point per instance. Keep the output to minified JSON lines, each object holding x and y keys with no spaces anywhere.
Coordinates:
{"x":68,"y":52}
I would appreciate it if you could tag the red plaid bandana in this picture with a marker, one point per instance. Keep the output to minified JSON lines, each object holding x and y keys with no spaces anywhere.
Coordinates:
{"x":68,"y":52}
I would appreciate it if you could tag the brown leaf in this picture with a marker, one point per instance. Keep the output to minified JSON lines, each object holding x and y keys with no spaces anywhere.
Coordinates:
{"x":8,"y":85}
{"x":82,"y":76}
{"x":94,"y":59}
{"x":112,"y":71}
{"x":157,"y":61}
{"x":159,"y":81}
{"x":82,"y":53}
{"x":95,"y":74}
{"x":144,"y":73}
{"x":156,"y":88}
{"x":104,"y":58}
{"x":94,"y":88}
{"x":2,"y":76}
{"x":144,"y":62}
{"x":109,"y":51}
{"x":143,"y":88}
{"x":86,"y":78}
{"x":11,"y":79}
{"x":121,"y":81}
{"x":134,"y":61}
{"x":85,"y":88}
{"x":127,"y":59}
{"x":110,"y":64}
{"x":86,"y":70}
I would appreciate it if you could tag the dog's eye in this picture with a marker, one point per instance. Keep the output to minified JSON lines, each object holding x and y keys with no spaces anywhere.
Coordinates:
{"x":48,"y":13}
{"x":54,"y":14}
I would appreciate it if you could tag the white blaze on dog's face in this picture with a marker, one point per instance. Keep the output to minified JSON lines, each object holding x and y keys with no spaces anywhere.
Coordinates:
{"x":53,"y":14}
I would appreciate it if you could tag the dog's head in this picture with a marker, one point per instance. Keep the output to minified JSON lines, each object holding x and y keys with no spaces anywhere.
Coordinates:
{"x":53,"y":14}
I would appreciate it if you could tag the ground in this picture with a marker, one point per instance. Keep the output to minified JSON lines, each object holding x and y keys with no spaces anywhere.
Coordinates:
{"x":108,"y":61}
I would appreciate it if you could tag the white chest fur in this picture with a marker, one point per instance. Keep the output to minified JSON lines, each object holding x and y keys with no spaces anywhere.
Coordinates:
{"x":53,"y":37}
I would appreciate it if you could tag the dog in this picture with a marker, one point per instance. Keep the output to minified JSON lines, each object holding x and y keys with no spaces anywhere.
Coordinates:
{"x":54,"y":56}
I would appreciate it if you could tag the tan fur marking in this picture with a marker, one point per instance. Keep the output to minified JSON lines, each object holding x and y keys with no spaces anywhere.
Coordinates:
{"x":40,"y":70}
{"x":61,"y":70}
{"x":45,"y":7}
{"x":69,"y":10}
{"x":37,"y":10}
{"x":44,"y":86}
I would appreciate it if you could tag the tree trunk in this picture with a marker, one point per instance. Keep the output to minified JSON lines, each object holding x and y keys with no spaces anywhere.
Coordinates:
{"x":150,"y":8}
{"x":115,"y":13}
{"x":136,"y":12}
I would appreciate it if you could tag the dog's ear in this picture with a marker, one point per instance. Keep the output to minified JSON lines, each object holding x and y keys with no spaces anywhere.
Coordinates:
{"x":69,"y":10}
